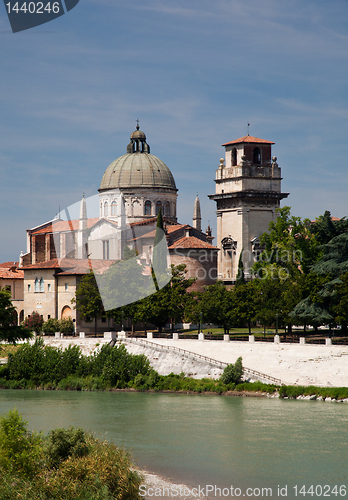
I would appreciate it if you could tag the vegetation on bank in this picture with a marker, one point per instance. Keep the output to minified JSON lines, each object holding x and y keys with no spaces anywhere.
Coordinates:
{"x":45,"y":367}
{"x":67,"y":463}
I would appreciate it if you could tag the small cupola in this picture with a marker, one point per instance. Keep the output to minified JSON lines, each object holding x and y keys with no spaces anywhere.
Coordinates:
{"x":138,"y":142}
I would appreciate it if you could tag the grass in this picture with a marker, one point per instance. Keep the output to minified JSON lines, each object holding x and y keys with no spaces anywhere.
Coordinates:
{"x":6,"y":349}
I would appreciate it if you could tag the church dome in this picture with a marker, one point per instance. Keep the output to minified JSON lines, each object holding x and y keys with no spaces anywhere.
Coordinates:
{"x":138,"y":168}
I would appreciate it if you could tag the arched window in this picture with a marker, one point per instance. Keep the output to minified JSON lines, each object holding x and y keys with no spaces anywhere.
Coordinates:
{"x":167,"y":208}
{"x":147,"y":208}
{"x":158,"y":206}
{"x":37,"y":285}
{"x":257,"y":156}
{"x":234,"y":157}
{"x":114,"y":208}
{"x":21,"y":316}
{"x":106,"y":209}
{"x":42,"y":285}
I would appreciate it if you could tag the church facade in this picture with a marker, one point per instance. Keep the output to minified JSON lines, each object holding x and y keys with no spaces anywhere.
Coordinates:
{"x":132,"y":191}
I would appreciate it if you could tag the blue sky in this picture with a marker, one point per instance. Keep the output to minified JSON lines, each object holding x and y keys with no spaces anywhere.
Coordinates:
{"x":194,"y":72}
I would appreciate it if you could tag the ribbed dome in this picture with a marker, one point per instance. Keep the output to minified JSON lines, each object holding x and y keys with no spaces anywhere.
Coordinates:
{"x":137,"y":170}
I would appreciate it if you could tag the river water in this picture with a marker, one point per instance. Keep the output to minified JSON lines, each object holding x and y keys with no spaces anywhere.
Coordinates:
{"x":209,"y":440}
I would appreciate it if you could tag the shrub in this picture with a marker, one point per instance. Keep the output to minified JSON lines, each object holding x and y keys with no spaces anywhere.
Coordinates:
{"x":66,"y":325}
{"x":65,"y":443}
{"x":232,"y":373}
{"x":51,"y":326}
{"x":20,"y":451}
{"x":33,"y":322}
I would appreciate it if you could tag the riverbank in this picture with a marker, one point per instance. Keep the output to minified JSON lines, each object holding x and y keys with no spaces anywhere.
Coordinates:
{"x":293,"y":364}
{"x":159,"y":487}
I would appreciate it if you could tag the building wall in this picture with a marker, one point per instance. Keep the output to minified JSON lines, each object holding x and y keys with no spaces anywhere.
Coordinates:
{"x":65,"y":296}
{"x":135,"y":203}
{"x":200,"y":264}
{"x":44,"y":302}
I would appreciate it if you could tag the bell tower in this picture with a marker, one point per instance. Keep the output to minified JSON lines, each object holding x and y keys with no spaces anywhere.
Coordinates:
{"x":247,"y":192}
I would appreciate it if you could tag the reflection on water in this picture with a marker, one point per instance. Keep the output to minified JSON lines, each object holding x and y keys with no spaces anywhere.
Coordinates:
{"x":245,"y":442}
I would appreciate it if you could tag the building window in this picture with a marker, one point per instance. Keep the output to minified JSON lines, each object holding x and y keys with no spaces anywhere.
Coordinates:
{"x":114,"y":208}
{"x":103,"y":319}
{"x":106,"y":209}
{"x":234,"y":157}
{"x":257,"y":156}
{"x":29,"y":288}
{"x":42,"y":285}
{"x":167,"y":208}
{"x":147,"y":208}
{"x":66,"y":287}
{"x":37,"y":285}
{"x":158,"y":206}
{"x":49,"y":287}
{"x":106,"y":249}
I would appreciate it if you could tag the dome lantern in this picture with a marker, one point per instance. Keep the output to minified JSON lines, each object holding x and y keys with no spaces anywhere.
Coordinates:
{"x":138,"y":142}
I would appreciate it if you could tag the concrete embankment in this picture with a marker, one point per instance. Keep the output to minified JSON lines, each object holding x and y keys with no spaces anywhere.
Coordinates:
{"x":294,"y":364}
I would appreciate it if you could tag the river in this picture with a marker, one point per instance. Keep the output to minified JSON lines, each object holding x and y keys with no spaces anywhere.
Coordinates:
{"x":208,"y":440}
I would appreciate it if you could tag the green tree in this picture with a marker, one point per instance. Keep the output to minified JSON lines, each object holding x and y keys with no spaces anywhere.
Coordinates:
{"x":9,"y":330}
{"x":325,"y":229}
{"x":243,"y":310}
{"x":318,"y":306}
{"x":340,"y":307}
{"x":290,"y":248}
{"x":169,"y":303}
{"x":87,"y":298}
{"x":216,"y":305}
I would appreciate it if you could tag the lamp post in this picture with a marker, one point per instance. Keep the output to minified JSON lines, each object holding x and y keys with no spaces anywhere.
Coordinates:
{"x":277,"y":324}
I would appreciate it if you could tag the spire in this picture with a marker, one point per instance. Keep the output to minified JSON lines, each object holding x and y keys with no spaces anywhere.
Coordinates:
{"x":197,"y":215}
{"x":83,"y":210}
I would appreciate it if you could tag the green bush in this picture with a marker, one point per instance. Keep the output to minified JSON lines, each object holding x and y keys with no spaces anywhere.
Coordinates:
{"x":20,"y":451}
{"x":232,"y":373}
{"x":66,"y":325}
{"x":65,"y":443}
{"x":51,"y":326}
{"x":68,"y":464}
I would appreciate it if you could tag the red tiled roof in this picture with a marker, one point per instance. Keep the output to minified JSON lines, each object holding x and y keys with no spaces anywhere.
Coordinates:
{"x":7,"y":274}
{"x":72,"y":266}
{"x":248,"y":138}
{"x":48,"y":264}
{"x":60,"y":226}
{"x":83,"y":266}
{"x":9,"y":264}
{"x":191,"y":242}
{"x":334,"y":219}
{"x":144,"y":222}
{"x":169,"y":230}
